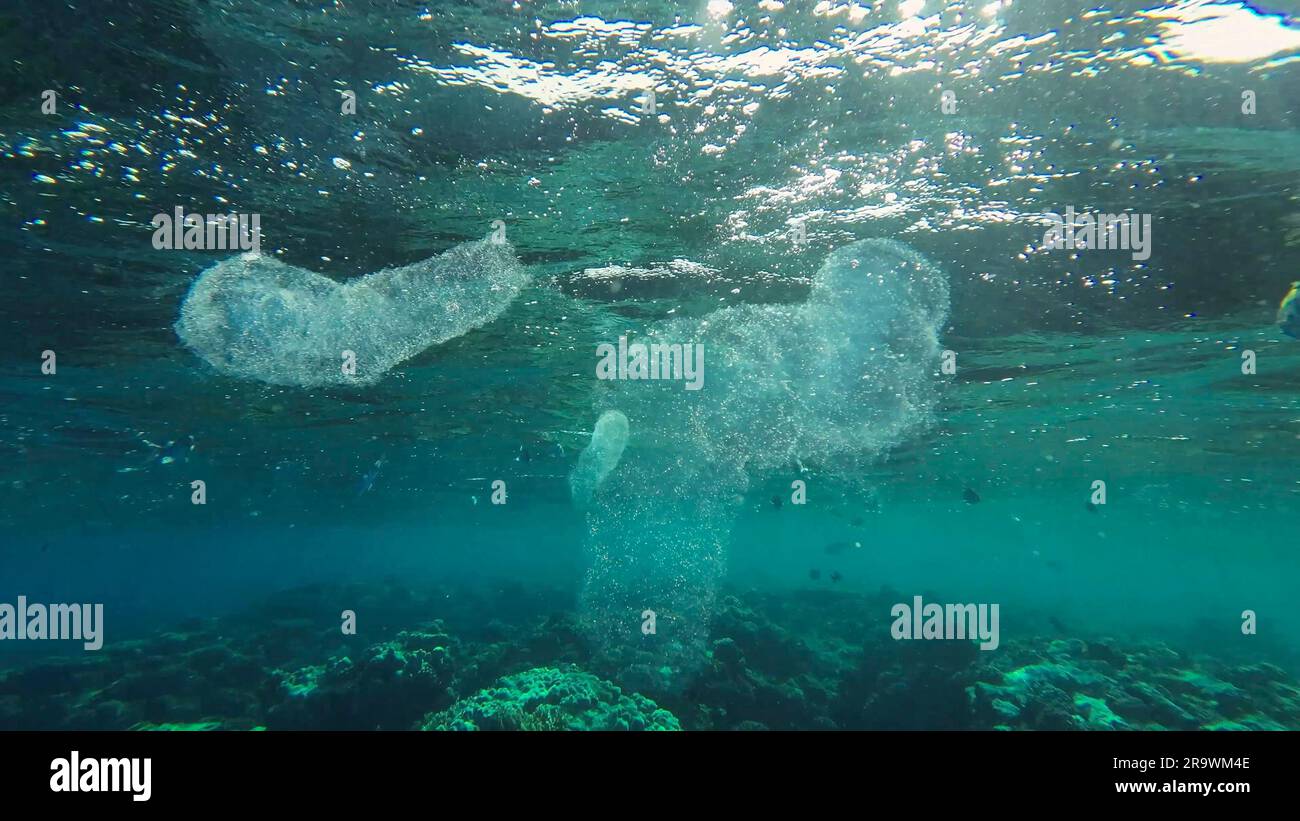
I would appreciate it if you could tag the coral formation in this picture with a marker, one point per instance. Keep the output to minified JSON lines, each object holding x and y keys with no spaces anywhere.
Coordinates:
{"x":1078,"y":685}
{"x":517,"y":658}
{"x":383,"y":690}
{"x":548,"y":698}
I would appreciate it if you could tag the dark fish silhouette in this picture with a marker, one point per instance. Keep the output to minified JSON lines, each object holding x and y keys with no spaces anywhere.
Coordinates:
{"x":835,"y":576}
{"x":776,"y":502}
{"x":836,"y":548}
{"x":1091,"y":507}
{"x":814,"y":574}
{"x":970,"y":496}
{"x":856,"y":521}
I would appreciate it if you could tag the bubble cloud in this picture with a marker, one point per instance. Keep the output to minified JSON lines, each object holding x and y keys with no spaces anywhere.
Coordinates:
{"x":837,"y":380}
{"x":600,"y":457}
{"x":254,"y":317}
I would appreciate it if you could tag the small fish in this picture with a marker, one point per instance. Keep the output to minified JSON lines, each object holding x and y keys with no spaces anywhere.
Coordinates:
{"x":1056,"y":624}
{"x":970,"y":496}
{"x":836,"y":548}
{"x":856,"y":521}
{"x":523,"y":456}
{"x":814,"y":574}
{"x":776,"y":502}
{"x":1091,"y":508}
{"x":368,"y":479}
{"x":175,"y":450}
{"x":835,"y":576}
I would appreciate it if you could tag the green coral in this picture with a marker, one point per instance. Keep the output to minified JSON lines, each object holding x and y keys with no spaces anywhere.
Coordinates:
{"x":184,"y":727}
{"x":1148,"y":687}
{"x":550,"y":698}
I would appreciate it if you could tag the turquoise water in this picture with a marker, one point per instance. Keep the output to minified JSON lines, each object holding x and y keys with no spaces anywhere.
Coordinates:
{"x":832,"y":199}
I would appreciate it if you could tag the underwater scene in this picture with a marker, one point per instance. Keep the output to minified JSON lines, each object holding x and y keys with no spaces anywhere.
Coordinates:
{"x":702,"y":365}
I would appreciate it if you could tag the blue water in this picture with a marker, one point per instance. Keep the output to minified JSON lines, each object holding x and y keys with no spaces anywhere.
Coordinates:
{"x":807,"y":202}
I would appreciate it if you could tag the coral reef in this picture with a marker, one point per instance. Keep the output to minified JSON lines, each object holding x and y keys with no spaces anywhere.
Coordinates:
{"x":383,"y":690}
{"x":517,"y":658}
{"x":548,"y":698}
{"x":1078,"y":685}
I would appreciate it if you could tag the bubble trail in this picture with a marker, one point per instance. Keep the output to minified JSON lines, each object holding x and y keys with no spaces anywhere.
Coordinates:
{"x":835,"y":382}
